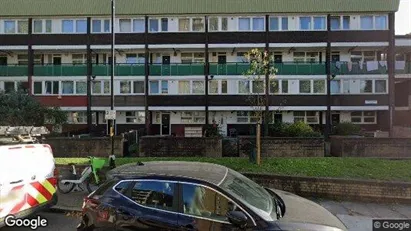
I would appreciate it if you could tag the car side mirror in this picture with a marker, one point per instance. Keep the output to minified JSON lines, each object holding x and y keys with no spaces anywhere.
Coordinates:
{"x":237,"y":218}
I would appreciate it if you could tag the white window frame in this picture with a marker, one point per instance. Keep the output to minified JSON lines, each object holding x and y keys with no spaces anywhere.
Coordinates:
{"x":190,"y":117}
{"x":363,"y":117}
{"x":160,"y":89}
{"x":306,"y":116}
{"x":16,"y":25}
{"x":43,"y":26}
{"x":341,"y":17}
{"x":312,"y":22}
{"x":190,"y":29}
{"x":118,"y":84}
{"x":251,"y":23}
{"x":102,"y":20}
{"x":342,"y":88}
{"x":373,"y":20}
{"x":131,"y":25}
{"x":80,"y":114}
{"x":219,"y":24}
{"x":138,"y":117}
{"x":280,"y":22}
{"x":103,"y":82}
{"x":219,"y":87}
{"x":74,"y":25}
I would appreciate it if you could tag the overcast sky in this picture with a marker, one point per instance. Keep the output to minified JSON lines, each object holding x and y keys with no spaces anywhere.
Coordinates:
{"x":403,"y":18}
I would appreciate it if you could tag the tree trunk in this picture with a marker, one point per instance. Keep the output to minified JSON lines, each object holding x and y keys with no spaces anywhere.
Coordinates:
{"x":258,"y":144}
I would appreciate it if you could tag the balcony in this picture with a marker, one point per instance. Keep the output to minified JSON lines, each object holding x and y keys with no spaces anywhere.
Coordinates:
{"x":285,"y":68}
{"x":13,"y":70}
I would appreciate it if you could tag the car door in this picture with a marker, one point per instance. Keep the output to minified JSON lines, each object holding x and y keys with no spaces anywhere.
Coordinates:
{"x":150,"y":205}
{"x":203,"y":208}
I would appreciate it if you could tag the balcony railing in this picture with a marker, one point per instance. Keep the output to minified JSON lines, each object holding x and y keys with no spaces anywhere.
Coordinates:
{"x":285,"y":68}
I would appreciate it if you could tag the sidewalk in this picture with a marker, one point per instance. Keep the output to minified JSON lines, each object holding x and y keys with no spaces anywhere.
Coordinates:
{"x":356,"y":216}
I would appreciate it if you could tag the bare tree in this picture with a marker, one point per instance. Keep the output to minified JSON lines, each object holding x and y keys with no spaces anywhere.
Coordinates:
{"x":260,"y":76}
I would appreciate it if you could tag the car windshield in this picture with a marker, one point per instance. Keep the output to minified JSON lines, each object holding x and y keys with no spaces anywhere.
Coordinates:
{"x":248,"y":192}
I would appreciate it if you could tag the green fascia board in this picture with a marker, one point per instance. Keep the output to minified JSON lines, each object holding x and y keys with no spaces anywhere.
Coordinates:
{"x":38,"y":8}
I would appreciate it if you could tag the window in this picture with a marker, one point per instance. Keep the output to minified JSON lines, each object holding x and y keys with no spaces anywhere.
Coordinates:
{"x":366,"y":86}
{"x":299,"y":116}
{"x":164,"y":87}
{"x":81,"y":87}
{"x":22,"y":27}
{"x":198,"y":24}
{"x":346,"y":22}
{"x":96,"y":26}
{"x":9,"y":87}
{"x":243,"y":86}
{"x":365,"y":117}
{"x":335,"y":23}
{"x":213,"y":24}
{"x":380,"y":22}
{"x":284,"y":23}
{"x":254,"y":117}
{"x":305,"y":23}
{"x":305,"y":86}
{"x":335,"y":86}
{"x":37,"y":88}
{"x":52,"y":87}
{"x":154,"y":194}
{"x":78,"y":117}
{"x":380,"y":86}
{"x":244,"y":24}
{"x":319,"y":86}
{"x":67,"y":87}
{"x":308,"y":117}
{"x":186,"y":58}
{"x":96,"y":87}
{"x":184,"y":87}
{"x":284,"y":86}
{"x":138,"y":87}
{"x":204,"y":202}
{"x":135,"y":117}
{"x":125,"y":25}
{"x":67,"y":26}
{"x":138,"y":25}
{"x":319,"y":23}
{"x":224,"y":87}
{"x":153,"y":25}
{"x":81,"y":26}
{"x":311,"y":57}
{"x":198,"y":87}
{"x":199,"y":58}
{"x":274,"y":86}
{"x":125,"y":87}
{"x":9,"y":27}
{"x":274,"y":24}
{"x":213,"y":87}
{"x":242,"y":117}
{"x":100,"y":26}
{"x":192,"y":117}
{"x":258,"y":87}
{"x":164,"y":24}
{"x":258,"y":24}
{"x":367,"y":22}
{"x":184,"y":24}
{"x":154,"y":87}
{"x":37,"y":26}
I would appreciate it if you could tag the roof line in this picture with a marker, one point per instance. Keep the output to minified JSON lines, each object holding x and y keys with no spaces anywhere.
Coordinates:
{"x":225,"y":176}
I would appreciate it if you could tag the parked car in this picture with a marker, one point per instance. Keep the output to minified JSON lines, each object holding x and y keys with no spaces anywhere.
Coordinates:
{"x":196,"y":196}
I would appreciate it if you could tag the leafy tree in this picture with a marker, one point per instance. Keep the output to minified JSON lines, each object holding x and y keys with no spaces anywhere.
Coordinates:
{"x":20,"y":109}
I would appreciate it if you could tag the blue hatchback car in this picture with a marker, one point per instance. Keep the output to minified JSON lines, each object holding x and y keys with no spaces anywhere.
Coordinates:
{"x":196,"y":196}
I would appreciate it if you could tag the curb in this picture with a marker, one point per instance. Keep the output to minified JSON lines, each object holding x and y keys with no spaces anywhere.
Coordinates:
{"x":64,"y":209}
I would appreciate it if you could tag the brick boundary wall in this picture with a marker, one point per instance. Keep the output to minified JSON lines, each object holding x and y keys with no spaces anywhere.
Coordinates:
{"x":330,"y":188}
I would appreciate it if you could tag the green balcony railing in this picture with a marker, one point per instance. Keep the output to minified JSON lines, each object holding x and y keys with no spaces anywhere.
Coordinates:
{"x":177,"y":69}
{"x":119,"y":70}
{"x":13,"y":70}
{"x":60,"y":70}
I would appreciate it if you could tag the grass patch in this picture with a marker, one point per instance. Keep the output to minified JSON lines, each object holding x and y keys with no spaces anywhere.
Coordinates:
{"x":351,"y":168}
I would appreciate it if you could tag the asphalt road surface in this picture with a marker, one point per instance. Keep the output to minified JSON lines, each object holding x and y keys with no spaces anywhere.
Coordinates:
{"x":56,"y":221}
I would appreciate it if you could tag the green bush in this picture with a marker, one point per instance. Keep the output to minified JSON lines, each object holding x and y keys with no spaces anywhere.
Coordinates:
{"x":212,"y":130}
{"x":299,"y":129}
{"x":133,"y":149}
{"x":347,"y":129}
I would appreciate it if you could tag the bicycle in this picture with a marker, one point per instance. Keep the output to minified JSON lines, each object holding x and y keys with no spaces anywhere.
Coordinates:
{"x":89,"y":176}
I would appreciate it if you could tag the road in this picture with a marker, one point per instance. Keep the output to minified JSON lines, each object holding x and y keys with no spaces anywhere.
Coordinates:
{"x":356,"y":216}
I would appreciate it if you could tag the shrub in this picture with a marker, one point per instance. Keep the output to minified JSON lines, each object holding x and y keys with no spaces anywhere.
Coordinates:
{"x":133,"y":149}
{"x":212,"y":130}
{"x":299,"y":129}
{"x":347,"y":129}
{"x":279,"y":129}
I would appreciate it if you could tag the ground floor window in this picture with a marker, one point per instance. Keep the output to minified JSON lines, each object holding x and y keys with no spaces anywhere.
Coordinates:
{"x":193,"y":117}
{"x":309,"y":117}
{"x":364,"y":117}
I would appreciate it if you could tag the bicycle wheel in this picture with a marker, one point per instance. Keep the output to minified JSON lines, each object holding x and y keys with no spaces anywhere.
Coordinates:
{"x":65,"y":188}
{"x":91,"y":184}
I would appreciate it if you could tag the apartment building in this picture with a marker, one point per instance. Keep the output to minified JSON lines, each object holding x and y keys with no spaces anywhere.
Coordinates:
{"x":180,"y":63}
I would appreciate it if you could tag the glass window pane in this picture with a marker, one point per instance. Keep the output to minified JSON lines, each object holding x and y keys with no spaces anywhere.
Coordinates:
{"x":213,"y":87}
{"x":81,"y":26}
{"x":138,"y":25}
{"x":159,"y":195}
{"x":81,"y":87}
{"x":67,"y":87}
{"x":305,"y":86}
{"x":67,"y":26}
{"x":198,"y":24}
{"x":49,"y":26}
{"x":380,"y":86}
{"x":305,"y":23}
{"x":274,"y":86}
{"x":284,"y":23}
{"x":125,"y":25}
{"x":244,"y":24}
{"x":335,"y":86}
{"x":9,"y":87}
{"x":138,"y":87}
{"x":184,"y":87}
{"x":198,"y":87}
{"x":125,"y":87}
{"x":164,"y":87}
{"x":131,"y":58}
{"x":319,"y":23}
{"x":9,"y":27}
{"x":96,"y":87}
{"x":243,"y":86}
{"x":346,"y":22}
{"x":258,"y":86}
{"x":335,"y":23}
{"x":23,"y":27}
{"x":154,"y":87}
{"x":366,"y":86}
{"x":153,"y":25}
{"x":164,"y":24}
{"x":284,"y":87}
{"x":367,"y":22}
{"x":96,"y":26}
{"x":258,"y":24}
{"x":224,"y":24}
{"x":224,"y":88}
{"x":213,"y":24}
{"x":274,"y":24}
{"x":38,"y":26}
{"x":380,"y":22}
{"x":319,"y":86}
{"x":184,"y":24}
{"x":38,"y":88}
{"x":107,"y":26}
